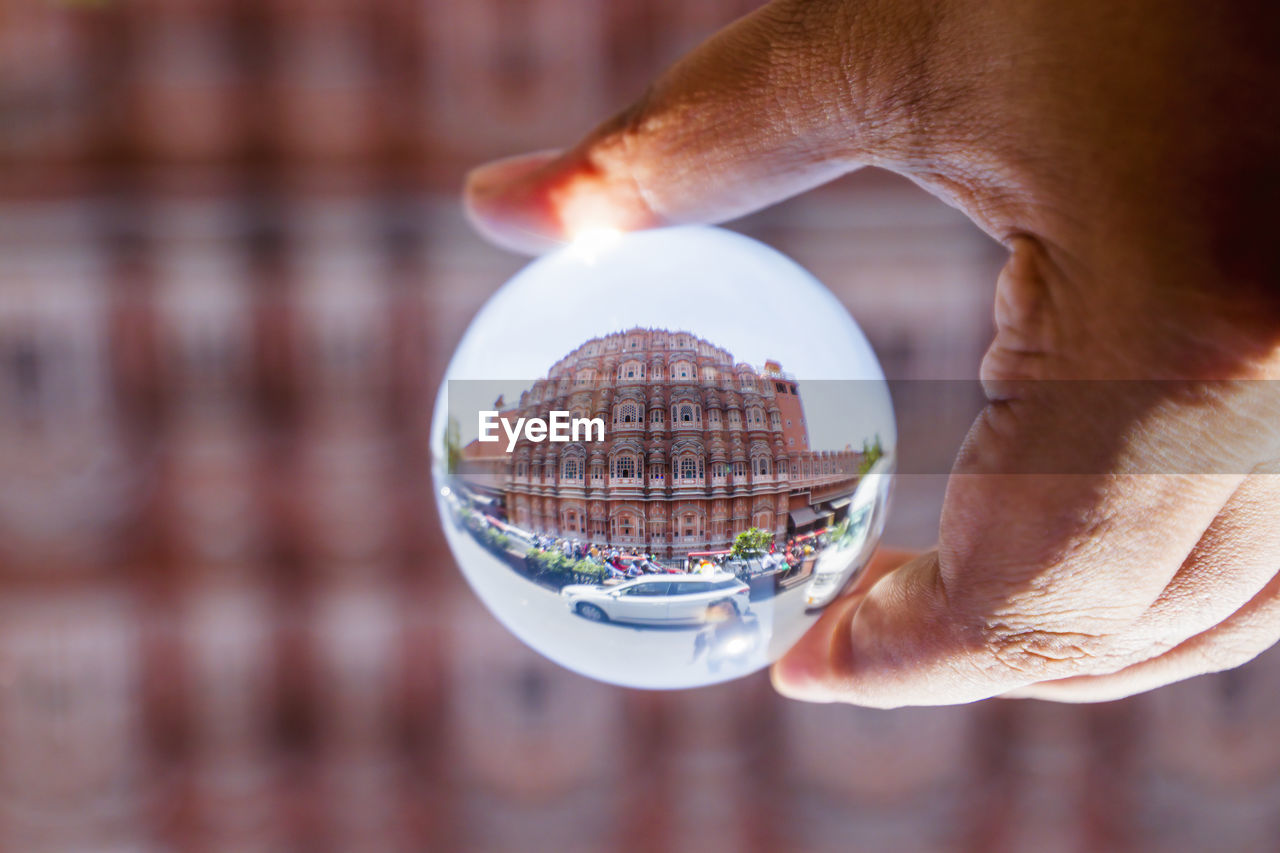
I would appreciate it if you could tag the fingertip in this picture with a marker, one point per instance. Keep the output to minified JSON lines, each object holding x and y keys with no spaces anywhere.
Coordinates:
{"x":792,"y":679}
{"x":502,"y":202}
{"x":806,"y":672}
{"x":537,"y":202}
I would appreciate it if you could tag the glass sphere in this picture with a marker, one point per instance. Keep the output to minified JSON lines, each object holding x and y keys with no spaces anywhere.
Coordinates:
{"x":660,"y":455}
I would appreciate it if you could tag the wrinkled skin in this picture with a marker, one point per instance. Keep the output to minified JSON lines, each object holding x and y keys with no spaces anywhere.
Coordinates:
{"x":1093,"y":544}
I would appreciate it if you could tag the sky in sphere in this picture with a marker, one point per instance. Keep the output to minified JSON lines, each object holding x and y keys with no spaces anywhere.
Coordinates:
{"x":727,"y":289}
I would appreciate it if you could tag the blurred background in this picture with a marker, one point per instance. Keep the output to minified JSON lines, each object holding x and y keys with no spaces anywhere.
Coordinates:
{"x":232,"y":269}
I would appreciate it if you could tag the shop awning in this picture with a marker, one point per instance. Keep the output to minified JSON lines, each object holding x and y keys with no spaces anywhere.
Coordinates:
{"x":840,"y":504}
{"x":804,"y":516}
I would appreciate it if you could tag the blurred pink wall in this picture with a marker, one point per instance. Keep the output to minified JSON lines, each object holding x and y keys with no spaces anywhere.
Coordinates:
{"x":232,"y":269}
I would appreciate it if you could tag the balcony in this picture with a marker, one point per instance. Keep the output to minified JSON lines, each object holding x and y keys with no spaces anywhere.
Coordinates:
{"x":626,"y":482}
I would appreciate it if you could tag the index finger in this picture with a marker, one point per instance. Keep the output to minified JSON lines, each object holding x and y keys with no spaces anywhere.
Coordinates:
{"x":769,"y":107}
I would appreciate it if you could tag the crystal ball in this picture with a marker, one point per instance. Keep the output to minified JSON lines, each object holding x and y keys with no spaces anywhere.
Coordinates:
{"x":658,"y":456}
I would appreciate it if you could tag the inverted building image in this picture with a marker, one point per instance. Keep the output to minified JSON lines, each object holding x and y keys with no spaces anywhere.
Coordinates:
{"x":697,"y":449}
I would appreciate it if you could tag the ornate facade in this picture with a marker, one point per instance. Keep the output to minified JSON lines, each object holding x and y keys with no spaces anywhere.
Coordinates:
{"x":698,"y":448}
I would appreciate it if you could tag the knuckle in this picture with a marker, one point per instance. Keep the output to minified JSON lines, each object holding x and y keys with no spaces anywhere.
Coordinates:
{"x":1041,"y":652}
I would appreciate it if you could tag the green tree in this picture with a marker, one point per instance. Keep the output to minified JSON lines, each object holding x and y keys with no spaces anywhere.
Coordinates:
{"x":453,"y":446}
{"x":872,"y":452}
{"x":752,"y":542}
{"x":590,"y":567}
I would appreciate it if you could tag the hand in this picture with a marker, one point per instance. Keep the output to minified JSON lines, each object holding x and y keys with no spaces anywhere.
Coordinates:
{"x":1101,"y":536}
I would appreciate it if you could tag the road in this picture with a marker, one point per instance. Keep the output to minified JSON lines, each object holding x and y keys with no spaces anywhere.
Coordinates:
{"x":630,"y":655}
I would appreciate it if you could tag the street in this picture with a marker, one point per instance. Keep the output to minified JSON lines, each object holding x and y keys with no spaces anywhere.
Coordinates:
{"x":631,"y":655}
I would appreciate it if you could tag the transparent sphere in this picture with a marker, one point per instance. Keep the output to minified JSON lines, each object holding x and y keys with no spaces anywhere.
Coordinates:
{"x":660,"y":456}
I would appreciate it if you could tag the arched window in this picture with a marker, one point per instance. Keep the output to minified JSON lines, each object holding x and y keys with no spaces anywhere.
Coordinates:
{"x":631,"y":370}
{"x":708,"y":374}
{"x":690,"y":468}
{"x":686,"y":414}
{"x":624,"y":465}
{"x":521,"y":469}
{"x":690,"y":524}
{"x":762,"y":466}
{"x":571,"y":469}
{"x":657,"y":472}
{"x":626,"y":524}
{"x":719,"y":469}
{"x":713,"y":418}
{"x":682,"y":370}
{"x":656,"y":416}
{"x":583,"y":376}
{"x":735,"y":418}
{"x":626,"y":413}
{"x":739,"y":469}
{"x":775,"y":420}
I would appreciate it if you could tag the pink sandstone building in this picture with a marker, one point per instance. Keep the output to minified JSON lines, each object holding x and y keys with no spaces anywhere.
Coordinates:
{"x":697,"y":449}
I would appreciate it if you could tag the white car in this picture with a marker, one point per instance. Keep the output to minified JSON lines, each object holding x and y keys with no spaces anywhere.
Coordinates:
{"x":660,"y":599}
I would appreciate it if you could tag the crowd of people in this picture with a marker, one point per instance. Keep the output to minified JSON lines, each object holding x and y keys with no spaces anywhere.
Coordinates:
{"x":629,"y":563}
{"x":618,"y":563}
{"x":797,"y":549}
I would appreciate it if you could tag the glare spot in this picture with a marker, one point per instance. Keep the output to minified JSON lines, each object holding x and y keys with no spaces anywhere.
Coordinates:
{"x":590,"y":243}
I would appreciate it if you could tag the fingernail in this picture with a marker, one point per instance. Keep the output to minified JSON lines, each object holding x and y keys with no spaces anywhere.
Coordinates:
{"x":791,"y":678}
{"x":496,"y":176}
{"x":508,"y":210}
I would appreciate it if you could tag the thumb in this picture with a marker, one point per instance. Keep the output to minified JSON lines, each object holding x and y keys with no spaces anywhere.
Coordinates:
{"x":787,"y":98}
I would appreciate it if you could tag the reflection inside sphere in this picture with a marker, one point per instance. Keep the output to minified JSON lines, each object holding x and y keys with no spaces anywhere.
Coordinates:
{"x":658,"y":461}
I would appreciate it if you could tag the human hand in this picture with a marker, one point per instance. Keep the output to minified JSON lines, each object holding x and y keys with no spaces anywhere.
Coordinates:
{"x":1112,"y":522}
